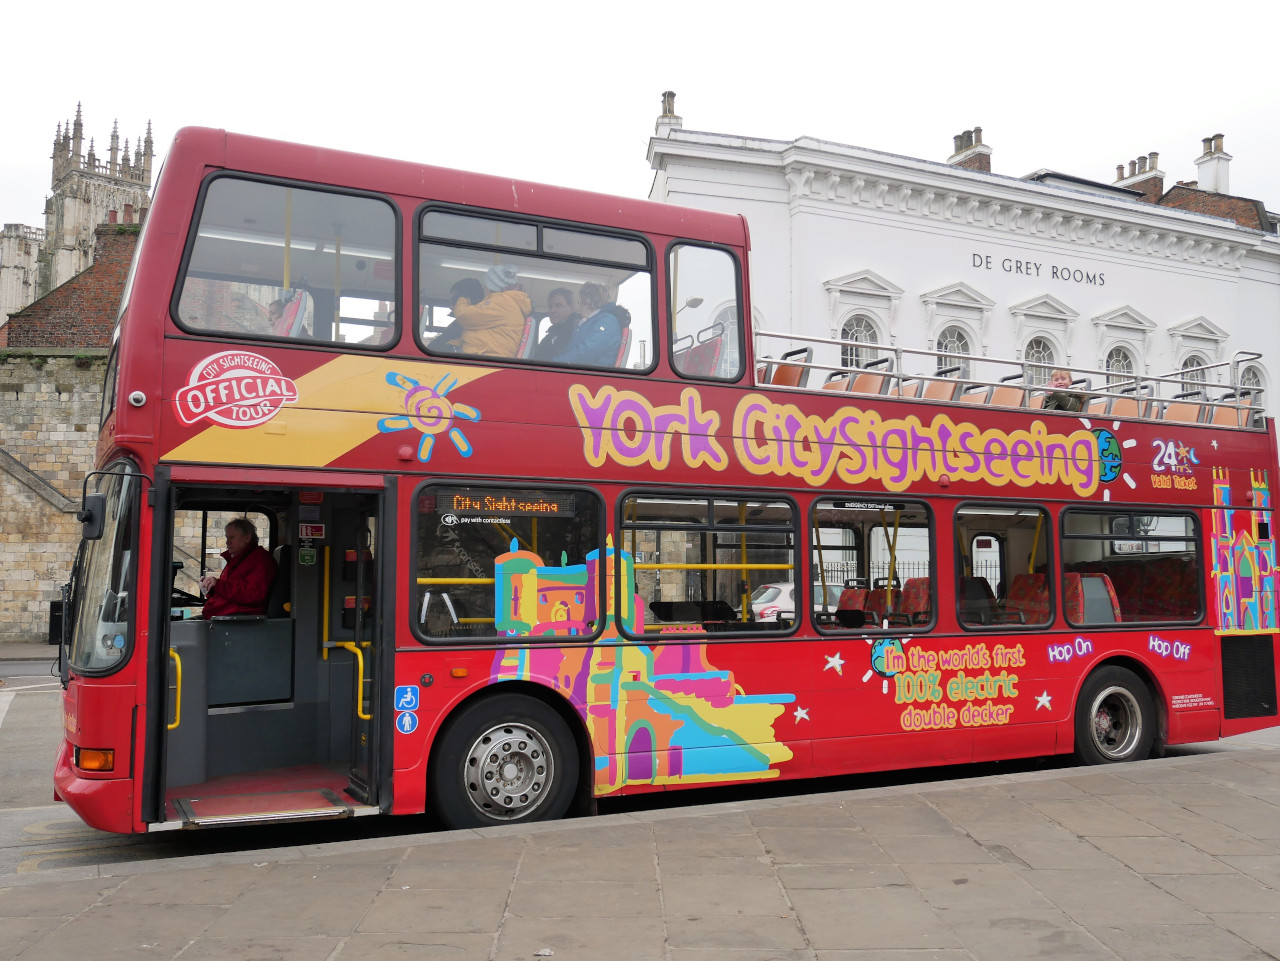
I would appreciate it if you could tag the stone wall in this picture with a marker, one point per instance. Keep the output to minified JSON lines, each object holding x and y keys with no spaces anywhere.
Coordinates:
{"x":49,"y":406}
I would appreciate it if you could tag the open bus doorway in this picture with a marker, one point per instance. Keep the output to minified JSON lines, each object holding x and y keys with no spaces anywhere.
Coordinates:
{"x":269,"y":714}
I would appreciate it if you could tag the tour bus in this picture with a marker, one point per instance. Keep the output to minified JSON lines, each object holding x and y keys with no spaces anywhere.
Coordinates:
{"x":507,"y":579}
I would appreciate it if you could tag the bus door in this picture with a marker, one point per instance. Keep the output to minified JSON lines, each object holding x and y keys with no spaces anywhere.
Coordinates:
{"x":354,"y":619}
{"x":271,"y":718}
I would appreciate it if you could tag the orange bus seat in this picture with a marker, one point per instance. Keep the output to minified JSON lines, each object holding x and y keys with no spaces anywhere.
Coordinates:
{"x":837,"y":380}
{"x":940,"y":390}
{"x":1128,"y":406}
{"x":974,"y":394}
{"x":1036,"y":401}
{"x":1183,"y":411}
{"x":1006,"y":395}
{"x":869,"y":382}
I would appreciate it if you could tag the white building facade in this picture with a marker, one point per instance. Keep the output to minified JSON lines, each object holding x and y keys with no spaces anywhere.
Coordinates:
{"x":866,"y":246}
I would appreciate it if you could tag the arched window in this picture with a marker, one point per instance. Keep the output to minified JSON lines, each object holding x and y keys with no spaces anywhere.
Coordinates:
{"x":1194,"y":376}
{"x":953,"y":340}
{"x":1119,"y":367}
{"x":1251,"y":380}
{"x":861,"y":331}
{"x":1039,"y":351}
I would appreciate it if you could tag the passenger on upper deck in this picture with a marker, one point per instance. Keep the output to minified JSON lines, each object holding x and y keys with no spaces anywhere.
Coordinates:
{"x":599,"y":337}
{"x":275,"y":314}
{"x":564,"y":321}
{"x":245,"y":581}
{"x":493,"y":326}
{"x":1059,"y":397}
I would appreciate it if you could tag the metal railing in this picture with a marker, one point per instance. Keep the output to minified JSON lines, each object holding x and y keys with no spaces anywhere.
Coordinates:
{"x":1217,"y":388}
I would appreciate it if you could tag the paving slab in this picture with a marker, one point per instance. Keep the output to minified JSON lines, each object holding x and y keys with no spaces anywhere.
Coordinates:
{"x":1170,"y":859}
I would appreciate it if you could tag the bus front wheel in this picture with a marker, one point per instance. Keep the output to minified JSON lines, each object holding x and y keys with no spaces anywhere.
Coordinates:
{"x":1115,"y":718}
{"x":504,"y":759}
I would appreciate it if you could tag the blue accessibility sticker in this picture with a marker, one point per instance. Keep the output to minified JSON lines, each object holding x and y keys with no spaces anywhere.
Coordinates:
{"x":407,"y":722}
{"x":407,"y":697}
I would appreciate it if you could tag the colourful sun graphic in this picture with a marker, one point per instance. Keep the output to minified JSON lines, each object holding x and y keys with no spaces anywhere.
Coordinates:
{"x":429,"y":410}
{"x":1110,"y":456}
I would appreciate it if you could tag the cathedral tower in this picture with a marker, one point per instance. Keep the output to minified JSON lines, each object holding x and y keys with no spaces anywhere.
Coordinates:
{"x":88,"y":191}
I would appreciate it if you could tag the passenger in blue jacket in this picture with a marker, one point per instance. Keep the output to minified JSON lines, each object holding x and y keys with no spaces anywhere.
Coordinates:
{"x":598,"y":338}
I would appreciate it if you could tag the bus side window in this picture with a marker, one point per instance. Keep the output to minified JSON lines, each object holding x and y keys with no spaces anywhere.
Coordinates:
{"x":705,"y":311}
{"x":1001,"y":566}
{"x":283,"y":262}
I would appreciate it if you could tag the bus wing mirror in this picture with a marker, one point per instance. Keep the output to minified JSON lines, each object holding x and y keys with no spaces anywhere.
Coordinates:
{"x":92,"y":516}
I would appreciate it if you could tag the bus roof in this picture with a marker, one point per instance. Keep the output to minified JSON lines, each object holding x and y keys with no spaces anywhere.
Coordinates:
{"x":220,"y":149}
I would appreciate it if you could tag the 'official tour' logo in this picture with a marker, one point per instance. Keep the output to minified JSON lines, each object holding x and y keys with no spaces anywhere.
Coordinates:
{"x":235,"y":389}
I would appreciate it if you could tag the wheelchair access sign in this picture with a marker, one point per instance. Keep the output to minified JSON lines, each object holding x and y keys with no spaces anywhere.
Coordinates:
{"x":406,"y":704}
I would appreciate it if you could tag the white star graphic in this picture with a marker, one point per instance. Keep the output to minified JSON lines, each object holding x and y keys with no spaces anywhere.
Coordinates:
{"x":837,"y":662}
{"x":1043,"y":702}
{"x":1215,"y":445}
{"x":802,"y":714}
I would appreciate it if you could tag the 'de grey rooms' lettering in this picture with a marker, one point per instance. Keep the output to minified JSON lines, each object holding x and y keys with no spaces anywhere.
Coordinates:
{"x":1033,"y":268}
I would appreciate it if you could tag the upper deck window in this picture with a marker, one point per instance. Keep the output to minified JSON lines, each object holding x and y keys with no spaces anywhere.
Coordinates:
{"x":494,"y":287}
{"x":706,"y":312}
{"x":276,"y":261}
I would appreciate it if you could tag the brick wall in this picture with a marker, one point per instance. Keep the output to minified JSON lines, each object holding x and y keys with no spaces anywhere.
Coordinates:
{"x":81,"y":312}
{"x":49,"y":406}
{"x":1245,"y":212}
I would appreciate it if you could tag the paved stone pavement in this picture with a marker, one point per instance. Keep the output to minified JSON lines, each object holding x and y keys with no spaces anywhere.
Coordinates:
{"x":1170,"y":859}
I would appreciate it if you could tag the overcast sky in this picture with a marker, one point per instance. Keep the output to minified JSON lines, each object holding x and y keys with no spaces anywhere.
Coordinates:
{"x":567,"y":92}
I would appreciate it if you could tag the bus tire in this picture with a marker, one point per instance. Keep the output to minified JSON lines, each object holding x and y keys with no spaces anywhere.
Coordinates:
{"x":504,"y":759}
{"x":1115,"y":717}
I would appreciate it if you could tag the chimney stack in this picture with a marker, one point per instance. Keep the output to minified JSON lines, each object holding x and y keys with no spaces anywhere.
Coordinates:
{"x":970,"y":152}
{"x":668,"y":120}
{"x":1145,"y":175}
{"x":1213,"y":165}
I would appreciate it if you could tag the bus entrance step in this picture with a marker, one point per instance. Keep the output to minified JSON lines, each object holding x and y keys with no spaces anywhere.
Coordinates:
{"x":311,"y":805}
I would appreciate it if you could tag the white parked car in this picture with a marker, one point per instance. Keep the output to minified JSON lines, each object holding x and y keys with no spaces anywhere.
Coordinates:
{"x":770,"y":600}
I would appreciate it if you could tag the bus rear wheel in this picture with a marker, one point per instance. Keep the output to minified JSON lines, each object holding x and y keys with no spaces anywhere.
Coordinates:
{"x":503,"y":760}
{"x":1115,"y":718}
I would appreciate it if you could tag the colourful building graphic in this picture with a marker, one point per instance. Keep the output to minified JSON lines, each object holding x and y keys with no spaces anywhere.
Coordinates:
{"x":654,"y":715}
{"x":1244,"y":557}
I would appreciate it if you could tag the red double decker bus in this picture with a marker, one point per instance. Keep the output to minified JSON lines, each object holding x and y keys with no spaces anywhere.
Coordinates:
{"x":538,"y":522}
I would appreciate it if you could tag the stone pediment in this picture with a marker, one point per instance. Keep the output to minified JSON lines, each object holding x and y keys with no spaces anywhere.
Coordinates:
{"x":1199,"y":333}
{"x":959,"y":295}
{"x":1045,"y":312}
{"x":1199,"y":328}
{"x":1045,"y":307}
{"x":1122,"y":323}
{"x":864,"y":282}
{"x":863,"y":291}
{"x":1125,"y":318}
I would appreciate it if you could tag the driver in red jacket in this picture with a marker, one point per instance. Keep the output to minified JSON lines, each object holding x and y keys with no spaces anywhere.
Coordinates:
{"x":245,"y":581}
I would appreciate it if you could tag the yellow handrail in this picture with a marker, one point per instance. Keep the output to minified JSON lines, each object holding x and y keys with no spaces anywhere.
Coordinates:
{"x":1035,"y":546}
{"x":355,"y":649}
{"x":177,"y":691}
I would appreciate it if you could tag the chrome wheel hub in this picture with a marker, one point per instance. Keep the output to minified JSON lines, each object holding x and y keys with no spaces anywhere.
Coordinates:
{"x":1117,"y":723}
{"x":509,"y":771}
